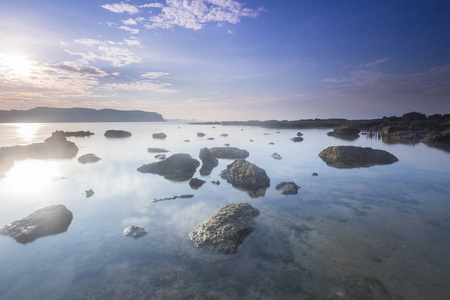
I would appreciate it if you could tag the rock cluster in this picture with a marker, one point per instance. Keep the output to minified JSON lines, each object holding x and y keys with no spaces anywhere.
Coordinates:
{"x":177,"y":167}
{"x":355,"y":157}
{"x":226,"y":229}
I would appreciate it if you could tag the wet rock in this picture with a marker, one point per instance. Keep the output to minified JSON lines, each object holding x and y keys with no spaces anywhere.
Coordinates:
{"x":187,"y":141}
{"x":196,"y":183}
{"x":224,"y":134}
{"x":297,"y":139}
{"x":229,"y":152}
{"x":200,"y":134}
{"x":246,"y":175}
{"x":226,"y":229}
{"x":89,"y":193}
{"x":315,"y":174}
{"x":72,"y":133}
{"x":159,"y":136}
{"x":347,"y":132}
{"x":210,"y":139}
{"x":226,"y":145}
{"x":177,"y":167}
{"x":89,"y":158}
{"x":355,"y":157}
{"x":209,"y":162}
{"x":43,"y":222}
{"x":173,"y":198}
{"x":157,"y":150}
{"x":215,"y":182}
{"x":287,"y":188}
{"x":271,"y":143}
{"x":276,"y":156}
{"x":299,"y":134}
{"x":160,"y":156}
{"x":117,"y":134}
{"x":134,"y":231}
{"x":413,"y":116}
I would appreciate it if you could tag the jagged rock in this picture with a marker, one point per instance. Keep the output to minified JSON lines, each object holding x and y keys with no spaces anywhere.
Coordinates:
{"x":200,"y":134}
{"x":355,"y":157}
{"x":276,"y":156}
{"x":177,"y":167}
{"x":226,"y":229}
{"x":246,"y":175}
{"x":46,"y":221}
{"x":157,"y":150}
{"x":196,"y":183}
{"x":297,"y":139}
{"x":287,"y":188}
{"x":173,"y":198}
{"x":229,"y":152}
{"x":347,"y":132}
{"x":159,"y":135}
{"x":209,"y":162}
{"x":160,"y":156}
{"x":89,"y":193}
{"x":88,"y":158}
{"x":117,"y":134}
{"x":437,"y":138}
{"x":134,"y":231}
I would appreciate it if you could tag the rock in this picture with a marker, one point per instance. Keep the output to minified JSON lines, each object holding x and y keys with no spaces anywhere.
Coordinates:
{"x":89,"y":193}
{"x":355,"y":157}
{"x":297,"y":139}
{"x":272,"y":143}
{"x":200,"y":134}
{"x":173,"y":198}
{"x":43,"y":222}
{"x":276,"y":156}
{"x":88,"y":158}
{"x":117,"y":134}
{"x":177,"y":167}
{"x":229,"y":152}
{"x":251,"y":141}
{"x":226,"y":144}
{"x":287,"y":188}
{"x":437,"y":138}
{"x":157,"y":150}
{"x":209,"y":162}
{"x":210,"y":139}
{"x":72,"y":133}
{"x":187,"y":141}
{"x":246,"y":175}
{"x":159,"y":135}
{"x":347,"y":132}
{"x":299,"y":134}
{"x":267,"y":133}
{"x":215,"y":182}
{"x":134,"y":231}
{"x":224,"y":134}
{"x":315,"y":174}
{"x":196,"y":183}
{"x":160,"y":156}
{"x":226,"y":229}
{"x":413,"y":116}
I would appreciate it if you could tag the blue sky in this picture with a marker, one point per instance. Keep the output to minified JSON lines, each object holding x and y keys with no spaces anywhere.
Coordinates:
{"x":228,"y":60}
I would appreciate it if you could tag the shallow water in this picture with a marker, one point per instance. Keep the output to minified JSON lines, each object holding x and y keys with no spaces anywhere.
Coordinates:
{"x":366,"y":233}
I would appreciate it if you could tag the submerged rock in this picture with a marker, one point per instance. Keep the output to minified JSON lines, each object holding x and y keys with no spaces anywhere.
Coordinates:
{"x":226,"y":229}
{"x":287,"y":188}
{"x":46,"y":221}
{"x":209,"y":162}
{"x":89,"y":193}
{"x":229,"y":152}
{"x":246,"y":175}
{"x":355,"y":157}
{"x":157,"y":150}
{"x":117,"y":134}
{"x":134,"y":231}
{"x":177,"y":167}
{"x":196,"y":183}
{"x":88,"y":158}
{"x":276,"y":156}
{"x":159,"y":135}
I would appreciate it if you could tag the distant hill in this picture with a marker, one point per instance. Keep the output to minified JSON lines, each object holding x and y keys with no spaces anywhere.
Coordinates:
{"x":56,"y":115}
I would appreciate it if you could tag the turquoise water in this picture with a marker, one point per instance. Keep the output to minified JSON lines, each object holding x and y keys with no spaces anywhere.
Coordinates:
{"x":380,"y":232}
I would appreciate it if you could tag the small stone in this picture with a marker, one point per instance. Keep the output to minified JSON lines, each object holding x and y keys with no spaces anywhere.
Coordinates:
{"x":297,"y":139}
{"x":159,"y":135}
{"x":89,"y":158}
{"x":276,"y":156}
{"x":315,"y":174}
{"x":287,"y":188}
{"x":196,"y":183}
{"x":135,"y":231}
{"x":89,"y":193}
{"x":160,"y":156}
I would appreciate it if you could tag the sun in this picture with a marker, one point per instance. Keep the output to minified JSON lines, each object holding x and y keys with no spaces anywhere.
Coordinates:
{"x":16,"y":64}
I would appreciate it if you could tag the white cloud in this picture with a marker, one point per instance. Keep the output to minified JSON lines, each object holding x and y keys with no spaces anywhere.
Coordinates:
{"x":132,"y":42}
{"x":121,"y":8}
{"x":153,"y":75}
{"x":81,"y":69}
{"x":154,"y":5}
{"x":118,"y":57}
{"x":142,"y":85}
{"x":89,"y":42}
{"x":129,"y":29}
{"x":129,"y":22}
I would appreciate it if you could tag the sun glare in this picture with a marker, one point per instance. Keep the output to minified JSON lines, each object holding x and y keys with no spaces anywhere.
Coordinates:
{"x":16,"y":64}
{"x":27,"y":132}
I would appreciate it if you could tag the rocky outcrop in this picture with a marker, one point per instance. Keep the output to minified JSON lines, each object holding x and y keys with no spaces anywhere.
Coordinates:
{"x":157,"y":150}
{"x":135,"y":231}
{"x":347,"y":132}
{"x":89,"y":158}
{"x":229,"y":152}
{"x":276,"y":156}
{"x":117,"y":134}
{"x":177,"y":167}
{"x":159,"y":136}
{"x":226,"y":229}
{"x":46,"y":221}
{"x":196,"y":183}
{"x":355,"y":157}
{"x":287,"y":188}
{"x":209,"y":162}
{"x":247,"y":176}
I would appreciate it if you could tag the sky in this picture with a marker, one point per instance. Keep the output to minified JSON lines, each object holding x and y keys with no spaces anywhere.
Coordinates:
{"x":221,"y":60}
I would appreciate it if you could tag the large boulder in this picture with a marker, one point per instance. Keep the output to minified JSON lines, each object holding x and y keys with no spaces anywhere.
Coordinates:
{"x":46,"y":221}
{"x":177,"y":167}
{"x":89,"y":158}
{"x":226,"y":229}
{"x":117,"y":134}
{"x":229,"y":152}
{"x":209,"y":162}
{"x":247,"y":176}
{"x":355,"y":157}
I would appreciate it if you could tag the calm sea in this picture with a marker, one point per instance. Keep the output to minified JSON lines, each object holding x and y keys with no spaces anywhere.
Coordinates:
{"x":366,"y":233}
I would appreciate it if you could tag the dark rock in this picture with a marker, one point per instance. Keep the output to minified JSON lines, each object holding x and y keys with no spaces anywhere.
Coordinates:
{"x":276,"y":156}
{"x":210,"y":139}
{"x":200,"y":134}
{"x":117,"y":134}
{"x":177,"y":167}
{"x":299,"y":134}
{"x":287,"y":188}
{"x":216,"y":182}
{"x":437,"y":138}
{"x":160,"y":156}
{"x":72,"y":133}
{"x":157,"y":150}
{"x":226,"y":229}
{"x":89,"y":193}
{"x":135,"y":231}
{"x":347,"y":132}
{"x":196,"y":183}
{"x":315,"y":174}
{"x":226,"y":145}
{"x":272,"y":143}
{"x":355,"y":157}
{"x":224,"y":134}
{"x":173,"y":198}
{"x":187,"y":141}
{"x":251,"y":141}
{"x":247,"y":176}
{"x":413,"y":116}
{"x":297,"y":139}
{"x":229,"y":152}
{"x":88,"y":158}
{"x":46,"y":221}
{"x":267,"y":133}
{"x":209,"y":162}
{"x":159,"y":135}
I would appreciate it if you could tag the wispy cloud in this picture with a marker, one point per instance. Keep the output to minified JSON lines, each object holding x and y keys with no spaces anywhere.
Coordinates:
{"x":153,"y":75}
{"x":373,"y":63}
{"x":121,"y":8}
{"x":129,"y":22}
{"x":129,"y":29}
{"x":142,"y":85}
{"x":153,"y":5}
